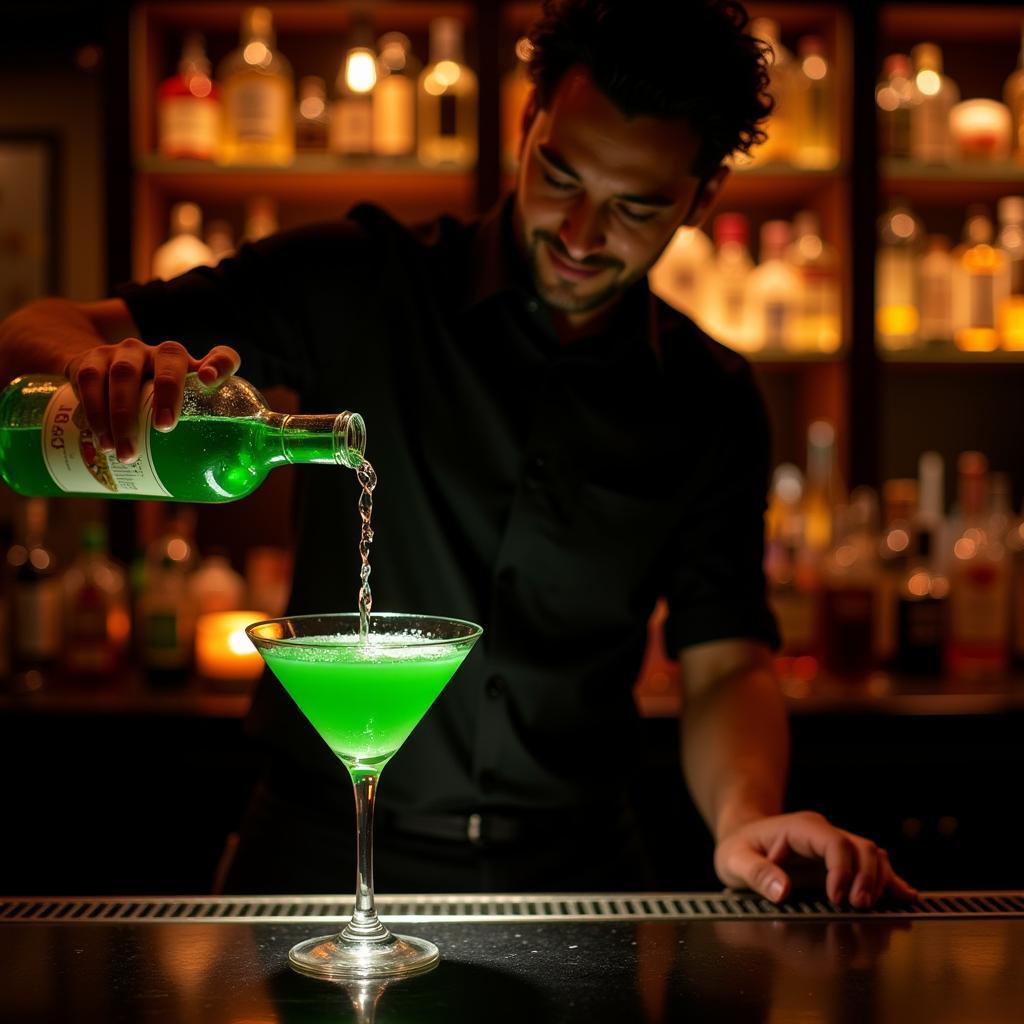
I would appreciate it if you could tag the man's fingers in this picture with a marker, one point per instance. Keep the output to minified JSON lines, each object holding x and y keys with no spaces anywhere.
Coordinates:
{"x":124,"y":380}
{"x":220,"y":362}
{"x":746,"y":868}
{"x":863,"y":889}
{"x":170,"y":365}
{"x":88,"y":377}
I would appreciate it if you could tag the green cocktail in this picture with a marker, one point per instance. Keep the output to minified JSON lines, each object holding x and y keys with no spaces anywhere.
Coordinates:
{"x":364,"y":698}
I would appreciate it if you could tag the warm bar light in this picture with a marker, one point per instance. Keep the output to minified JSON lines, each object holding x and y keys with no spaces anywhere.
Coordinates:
{"x":223,"y":651}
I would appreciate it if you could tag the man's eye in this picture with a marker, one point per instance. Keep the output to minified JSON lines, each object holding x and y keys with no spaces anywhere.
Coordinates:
{"x":555,"y":183}
{"x":636,"y":218}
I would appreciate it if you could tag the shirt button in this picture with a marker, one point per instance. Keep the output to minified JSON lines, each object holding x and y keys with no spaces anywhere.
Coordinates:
{"x":496,"y":687}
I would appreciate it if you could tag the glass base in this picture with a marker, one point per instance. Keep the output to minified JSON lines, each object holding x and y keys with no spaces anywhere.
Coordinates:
{"x":335,"y":957}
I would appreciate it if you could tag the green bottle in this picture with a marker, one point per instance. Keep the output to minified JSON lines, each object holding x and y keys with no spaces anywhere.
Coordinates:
{"x":225,"y":443}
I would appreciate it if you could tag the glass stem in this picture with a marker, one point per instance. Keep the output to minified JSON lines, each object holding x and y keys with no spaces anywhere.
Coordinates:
{"x":364,"y":926}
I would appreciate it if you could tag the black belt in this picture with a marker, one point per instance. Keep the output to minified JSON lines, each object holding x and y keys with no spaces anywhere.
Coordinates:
{"x":485,"y":829}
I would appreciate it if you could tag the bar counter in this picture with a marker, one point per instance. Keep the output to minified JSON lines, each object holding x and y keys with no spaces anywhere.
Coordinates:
{"x":524,"y":959}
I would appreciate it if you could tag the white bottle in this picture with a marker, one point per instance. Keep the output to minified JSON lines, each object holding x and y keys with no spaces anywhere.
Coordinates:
{"x":936,"y":292}
{"x":775,"y":290}
{"x":185,"y":248}
{"x":681,"y":275}
{"x":729,"y":307}
{"x":935,"y":95}
{"x":818,"y":327}
{"x":216,"y":587}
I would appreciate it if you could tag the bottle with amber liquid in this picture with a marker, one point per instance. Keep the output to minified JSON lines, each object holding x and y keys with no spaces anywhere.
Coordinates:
{"x":258,"y":95}
{"x":447,"y":105}
{"x":981,"y":267}
{"x":394,"y":97}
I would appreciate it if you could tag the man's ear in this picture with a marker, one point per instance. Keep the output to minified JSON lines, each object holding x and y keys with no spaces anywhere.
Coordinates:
{"x":530,"y":111}
{"x":706,"y":197}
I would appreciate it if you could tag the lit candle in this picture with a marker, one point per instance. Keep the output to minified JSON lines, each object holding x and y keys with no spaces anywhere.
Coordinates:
{"x":223,"y":651}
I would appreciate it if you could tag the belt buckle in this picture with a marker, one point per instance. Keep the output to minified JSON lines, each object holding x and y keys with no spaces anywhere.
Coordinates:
{"x":474,"y":829}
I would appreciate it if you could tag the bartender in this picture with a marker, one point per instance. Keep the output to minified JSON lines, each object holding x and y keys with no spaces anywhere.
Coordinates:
{"x":556,"y":449}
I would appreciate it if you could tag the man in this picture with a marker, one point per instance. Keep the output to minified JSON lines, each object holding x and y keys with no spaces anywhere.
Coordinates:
{"x":556,"y":449}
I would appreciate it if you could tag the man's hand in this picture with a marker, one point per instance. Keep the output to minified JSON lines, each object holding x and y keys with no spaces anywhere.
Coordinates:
{"x":108,"y":380}
{"x":856,"y":870}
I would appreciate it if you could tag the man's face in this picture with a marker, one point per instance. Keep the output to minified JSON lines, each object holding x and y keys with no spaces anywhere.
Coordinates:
{"x":599,"y":195}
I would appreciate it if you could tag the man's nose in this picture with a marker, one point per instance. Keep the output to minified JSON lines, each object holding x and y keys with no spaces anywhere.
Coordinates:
{"x":582,"y":230}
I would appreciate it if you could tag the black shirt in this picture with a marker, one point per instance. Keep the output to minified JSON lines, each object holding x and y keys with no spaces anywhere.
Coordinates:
{"x":549,"y":492}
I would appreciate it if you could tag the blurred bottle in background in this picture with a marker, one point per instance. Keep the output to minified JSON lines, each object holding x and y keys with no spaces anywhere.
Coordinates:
{"x":775,"y":291}
{"x":220,"y":239}
{"x":823,"y":490}
{"x":934,"y":95}
{"x":936,"y":293}
{"x":394,"y":97}
{"x":447,"y":100}
{"x":1010,"y":313}
{"x":815,"y":113}
{"x":515,"y":92}
{"x":184,"y":248}
{"x":350,"y":130}
{"x":817,"y":326}
{"x":188,"y":107}
{"x":97,"y":622}
{"x":257,"y":93}
{"x":682,"y":277}
{"x":216,"y":587}
{"x":899,"y":504}
{"x":728,"y":313}
{"x":311,"y":115}
{"x":897,"y":320}
{"x":980,"y":268}
{"x":1013,"y":95}
{"x":260,"y":218}
{"x":894,"y":96}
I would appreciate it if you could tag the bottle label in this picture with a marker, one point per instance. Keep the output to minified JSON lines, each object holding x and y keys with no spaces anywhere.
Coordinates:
{"x":189,"y":127}
{"x":257,"y":110}
{"x":983,"y":301}
{"x":77,"y":464}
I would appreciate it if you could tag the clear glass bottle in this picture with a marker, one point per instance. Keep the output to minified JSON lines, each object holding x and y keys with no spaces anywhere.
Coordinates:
{"x":225,"y":443}
{"x":1013,"y":96}
{"x":815,"y":115}
{"x":936,"y":293}
{"x":850,"y":583}
{"x":311,"y":117}
{"x":1010,"y":314}
{"x":934,"y":96}
{"x":258,"y":95}
{"x":728,"y":308}
{"x":775,"y":291}
{"x":979,"y":633}
{"x":823,"y":490}
{"x":894,"y":96}
{"x":394,"y":98}
{"x":682,"y":274}
{"x":35,"y":599}
{"x":515,"y":92}
{"x":931,"y":509}
{"x":351,"y":119}
{"x":817,"y":327}
{"x":899,"y":501}
{"x":980,"y":268}
{"x":779,"y":146}
{"x":184,"y":249}
{"x":188,"y":107}
{"x":897,"y":319}
{"x":447,"y":100}
{"x":97,"y":622}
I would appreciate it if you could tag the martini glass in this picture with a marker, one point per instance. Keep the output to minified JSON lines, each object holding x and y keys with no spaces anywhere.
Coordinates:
{"x":364,"y":699}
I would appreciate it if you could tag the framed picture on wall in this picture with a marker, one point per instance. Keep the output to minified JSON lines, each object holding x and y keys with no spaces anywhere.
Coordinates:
{"x":29,"y":197}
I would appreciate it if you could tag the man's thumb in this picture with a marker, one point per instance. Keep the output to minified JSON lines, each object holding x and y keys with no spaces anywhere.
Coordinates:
{"x":759,"y":873}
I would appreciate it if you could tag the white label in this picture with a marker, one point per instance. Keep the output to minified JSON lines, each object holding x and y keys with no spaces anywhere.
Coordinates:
{"x":189,"y":127}
{"x":73,"y":457}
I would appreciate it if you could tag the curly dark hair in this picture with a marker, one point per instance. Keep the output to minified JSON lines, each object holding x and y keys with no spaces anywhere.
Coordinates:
{"x":690,"y":59}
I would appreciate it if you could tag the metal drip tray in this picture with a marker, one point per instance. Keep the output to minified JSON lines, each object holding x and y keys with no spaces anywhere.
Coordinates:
{"x":489,"y":908}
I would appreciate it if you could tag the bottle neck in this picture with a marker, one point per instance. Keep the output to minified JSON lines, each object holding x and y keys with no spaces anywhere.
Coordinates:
{"x":328,"y":439}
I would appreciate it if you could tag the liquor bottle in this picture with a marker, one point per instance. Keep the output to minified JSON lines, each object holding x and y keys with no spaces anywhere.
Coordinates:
{"x":216,"y":587}
{"x":935,"y":279}
{"x":817,"y":325}
{"x":166,"y":624}
{"x":515,"y":92}
{"x":225,"y":443}
{"x":900,"y":499}
{"x":894,"y":96}
{"x":1010,"y":314}
{"x":447,"y":100}
{"x":978,"y":641}
{"x":775,"y":291}
{"x":97,"y":622}
{"x":930,"y":516}
{"x":257,"y":92}
{"x":897,"y":321}
{"x":351,"y":119}
{"x":188,"y":107}
{"x":394,"y":98}
{"x":850,"y":580}
{"x":979,"y":274}
{"x":922,"y":609}
{"x":35,"y":599}
{"x":816,"y":145}
{"x":311,"y":118}
{"x":219,"y":240}
{"x":682,"y":274}
{"x":790,"y":568}
{"x":824,"y":489}
{"x":1013,"y":95}
{"x":778,"y":147}
{"x":184,"y":249}
{"x":728,"y":308}
{"x":933,"y":98}
{"x":260,"y":218}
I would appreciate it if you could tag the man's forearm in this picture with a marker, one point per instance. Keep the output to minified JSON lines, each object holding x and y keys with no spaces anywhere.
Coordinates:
{"x":43,"y":337}
{"x":735,"y":743}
